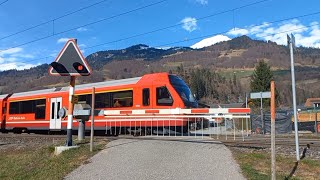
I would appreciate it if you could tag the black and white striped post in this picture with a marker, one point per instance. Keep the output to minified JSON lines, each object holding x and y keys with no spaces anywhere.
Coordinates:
{"x":70,"y":110}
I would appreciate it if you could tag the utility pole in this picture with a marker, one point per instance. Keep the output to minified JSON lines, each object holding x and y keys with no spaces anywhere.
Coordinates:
{"x":273,"y":132}
{"x":246,"y":117}
{"x":291,"y":44}
{"x":261,"y":112}
{"x":316,"y":119}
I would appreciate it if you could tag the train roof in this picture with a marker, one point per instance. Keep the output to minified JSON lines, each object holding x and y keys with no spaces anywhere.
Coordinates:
{"x":78,"y":87}
{"x":2,"y":96}
{"x":105,"y":84}
{"x":30,"y":93}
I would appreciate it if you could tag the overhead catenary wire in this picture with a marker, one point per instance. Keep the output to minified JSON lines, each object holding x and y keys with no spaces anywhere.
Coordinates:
{"x":3,"y":2}
{"x":52,"y":20}
{"x":149,"y":32}
{"x":95,"y":22}
{"x":124,"y":13}
{"x":222,"y":32}
{"x":178,"y":24}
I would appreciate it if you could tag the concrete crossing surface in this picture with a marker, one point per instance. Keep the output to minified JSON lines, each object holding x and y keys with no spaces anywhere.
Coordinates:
{"x":161,"y":158}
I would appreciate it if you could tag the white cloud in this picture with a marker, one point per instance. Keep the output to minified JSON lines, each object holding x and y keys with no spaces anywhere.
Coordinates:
{"x":62,"y":40}
{"x":210,"y":41}
{"x":16,"y":65}
{"x":259,"y":28}
{"x":82,"y":29}
{"x":25,"y":56}
{"x":10,"y":51}
{"x":189,"y":24}
{"x":202,"y":2}
{"x":305,"y":35}
{"x":82,"y":45}
{"x":238,"y":32}
{"x":9,"y":59}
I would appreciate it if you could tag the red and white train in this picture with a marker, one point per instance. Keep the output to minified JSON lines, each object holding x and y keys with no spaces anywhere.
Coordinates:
{"x":38,"y":110}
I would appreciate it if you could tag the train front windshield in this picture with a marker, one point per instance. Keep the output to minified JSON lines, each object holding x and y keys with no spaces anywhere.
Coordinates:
{"x":183,"y":90}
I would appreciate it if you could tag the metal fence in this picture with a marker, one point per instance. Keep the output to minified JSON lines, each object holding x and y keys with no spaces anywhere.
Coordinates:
{"x":198,"y":126}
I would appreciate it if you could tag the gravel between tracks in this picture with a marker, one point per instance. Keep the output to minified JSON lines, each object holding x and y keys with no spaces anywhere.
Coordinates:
{"x":174,"y":158}
{"x":13,"y":142}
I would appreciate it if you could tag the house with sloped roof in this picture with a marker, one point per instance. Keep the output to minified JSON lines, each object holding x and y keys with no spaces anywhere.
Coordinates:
{"x":312,"y":102}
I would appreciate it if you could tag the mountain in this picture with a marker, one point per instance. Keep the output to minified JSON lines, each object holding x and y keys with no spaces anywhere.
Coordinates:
{"x":233,"y":60}
{"x":137,"y":52}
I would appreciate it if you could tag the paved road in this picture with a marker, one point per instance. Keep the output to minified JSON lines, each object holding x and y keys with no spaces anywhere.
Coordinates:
{"x":165,"y":158}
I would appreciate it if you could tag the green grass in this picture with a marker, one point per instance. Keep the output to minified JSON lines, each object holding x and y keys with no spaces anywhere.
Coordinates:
{"x":252,"y":173}
{"x":257,"y":166}
{"x":42,"y":163}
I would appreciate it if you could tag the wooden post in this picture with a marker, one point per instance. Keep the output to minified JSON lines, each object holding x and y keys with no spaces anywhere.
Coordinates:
{"x":92,"y":119}
{"x":273,"y":131}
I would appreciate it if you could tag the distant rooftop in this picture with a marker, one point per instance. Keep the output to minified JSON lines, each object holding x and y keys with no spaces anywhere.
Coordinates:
{"x":311,"y":101}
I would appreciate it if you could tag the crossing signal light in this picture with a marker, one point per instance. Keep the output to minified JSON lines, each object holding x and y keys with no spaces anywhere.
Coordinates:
{"x":80,"y":68}
{"x":59,"y":68}
{"x":70,"y":62}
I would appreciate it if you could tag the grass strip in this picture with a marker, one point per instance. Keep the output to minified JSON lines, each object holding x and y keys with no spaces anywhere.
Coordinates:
{"x":256,"y":165}
{"x":43,"y":164}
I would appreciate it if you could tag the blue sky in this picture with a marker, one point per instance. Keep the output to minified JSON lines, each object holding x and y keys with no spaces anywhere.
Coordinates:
{"x":185,"y":16}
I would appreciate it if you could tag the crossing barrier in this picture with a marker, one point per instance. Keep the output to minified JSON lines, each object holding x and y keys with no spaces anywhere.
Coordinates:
{"x":198,"y":122}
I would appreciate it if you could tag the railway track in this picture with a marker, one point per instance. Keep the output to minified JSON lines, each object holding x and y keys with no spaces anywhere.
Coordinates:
{"x":265,"y":143}
{"x":11,"y":135}
{"x":251,"y":142}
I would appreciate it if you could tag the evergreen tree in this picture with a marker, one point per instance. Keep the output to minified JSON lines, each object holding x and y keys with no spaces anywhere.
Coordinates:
{"x":260,"y":81}
{"x":261,"y":78}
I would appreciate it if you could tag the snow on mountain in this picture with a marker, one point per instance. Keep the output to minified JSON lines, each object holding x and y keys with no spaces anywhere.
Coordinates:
{"x":210,"y":41}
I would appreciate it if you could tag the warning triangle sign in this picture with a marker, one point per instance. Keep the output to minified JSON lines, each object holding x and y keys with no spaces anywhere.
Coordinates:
{"x":70,"y":62}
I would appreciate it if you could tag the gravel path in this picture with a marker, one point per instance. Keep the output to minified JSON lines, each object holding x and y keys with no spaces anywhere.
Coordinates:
{"x":162,"y":158}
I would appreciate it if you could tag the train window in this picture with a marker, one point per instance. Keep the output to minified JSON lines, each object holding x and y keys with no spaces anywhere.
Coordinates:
{"x":102,"y":100}
{"x":58,"y":108}
{"x":40,"y":109}
{"x":122,"y":98}
{"x":146,"y":97}
{"x":164,"y":97}
{"x":14,"y":108}
{"x":85,"y":99}
{"x":32,"y":106}
{"x":27,"y":107}
{"x":52,"y":110}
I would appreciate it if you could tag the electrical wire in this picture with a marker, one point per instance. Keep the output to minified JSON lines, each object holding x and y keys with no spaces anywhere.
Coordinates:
{"x":111,"y":17}
{"x":168,"y":27}
{"x":52,"y":20}
{"x":3,"y":2}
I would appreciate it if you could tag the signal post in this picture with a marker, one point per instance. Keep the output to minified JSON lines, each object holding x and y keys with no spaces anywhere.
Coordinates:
{"x":70,"y":62}
{"x":70,"y":111}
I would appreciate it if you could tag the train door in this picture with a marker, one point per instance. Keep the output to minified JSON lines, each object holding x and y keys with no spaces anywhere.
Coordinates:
{"x":55,"y":106}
